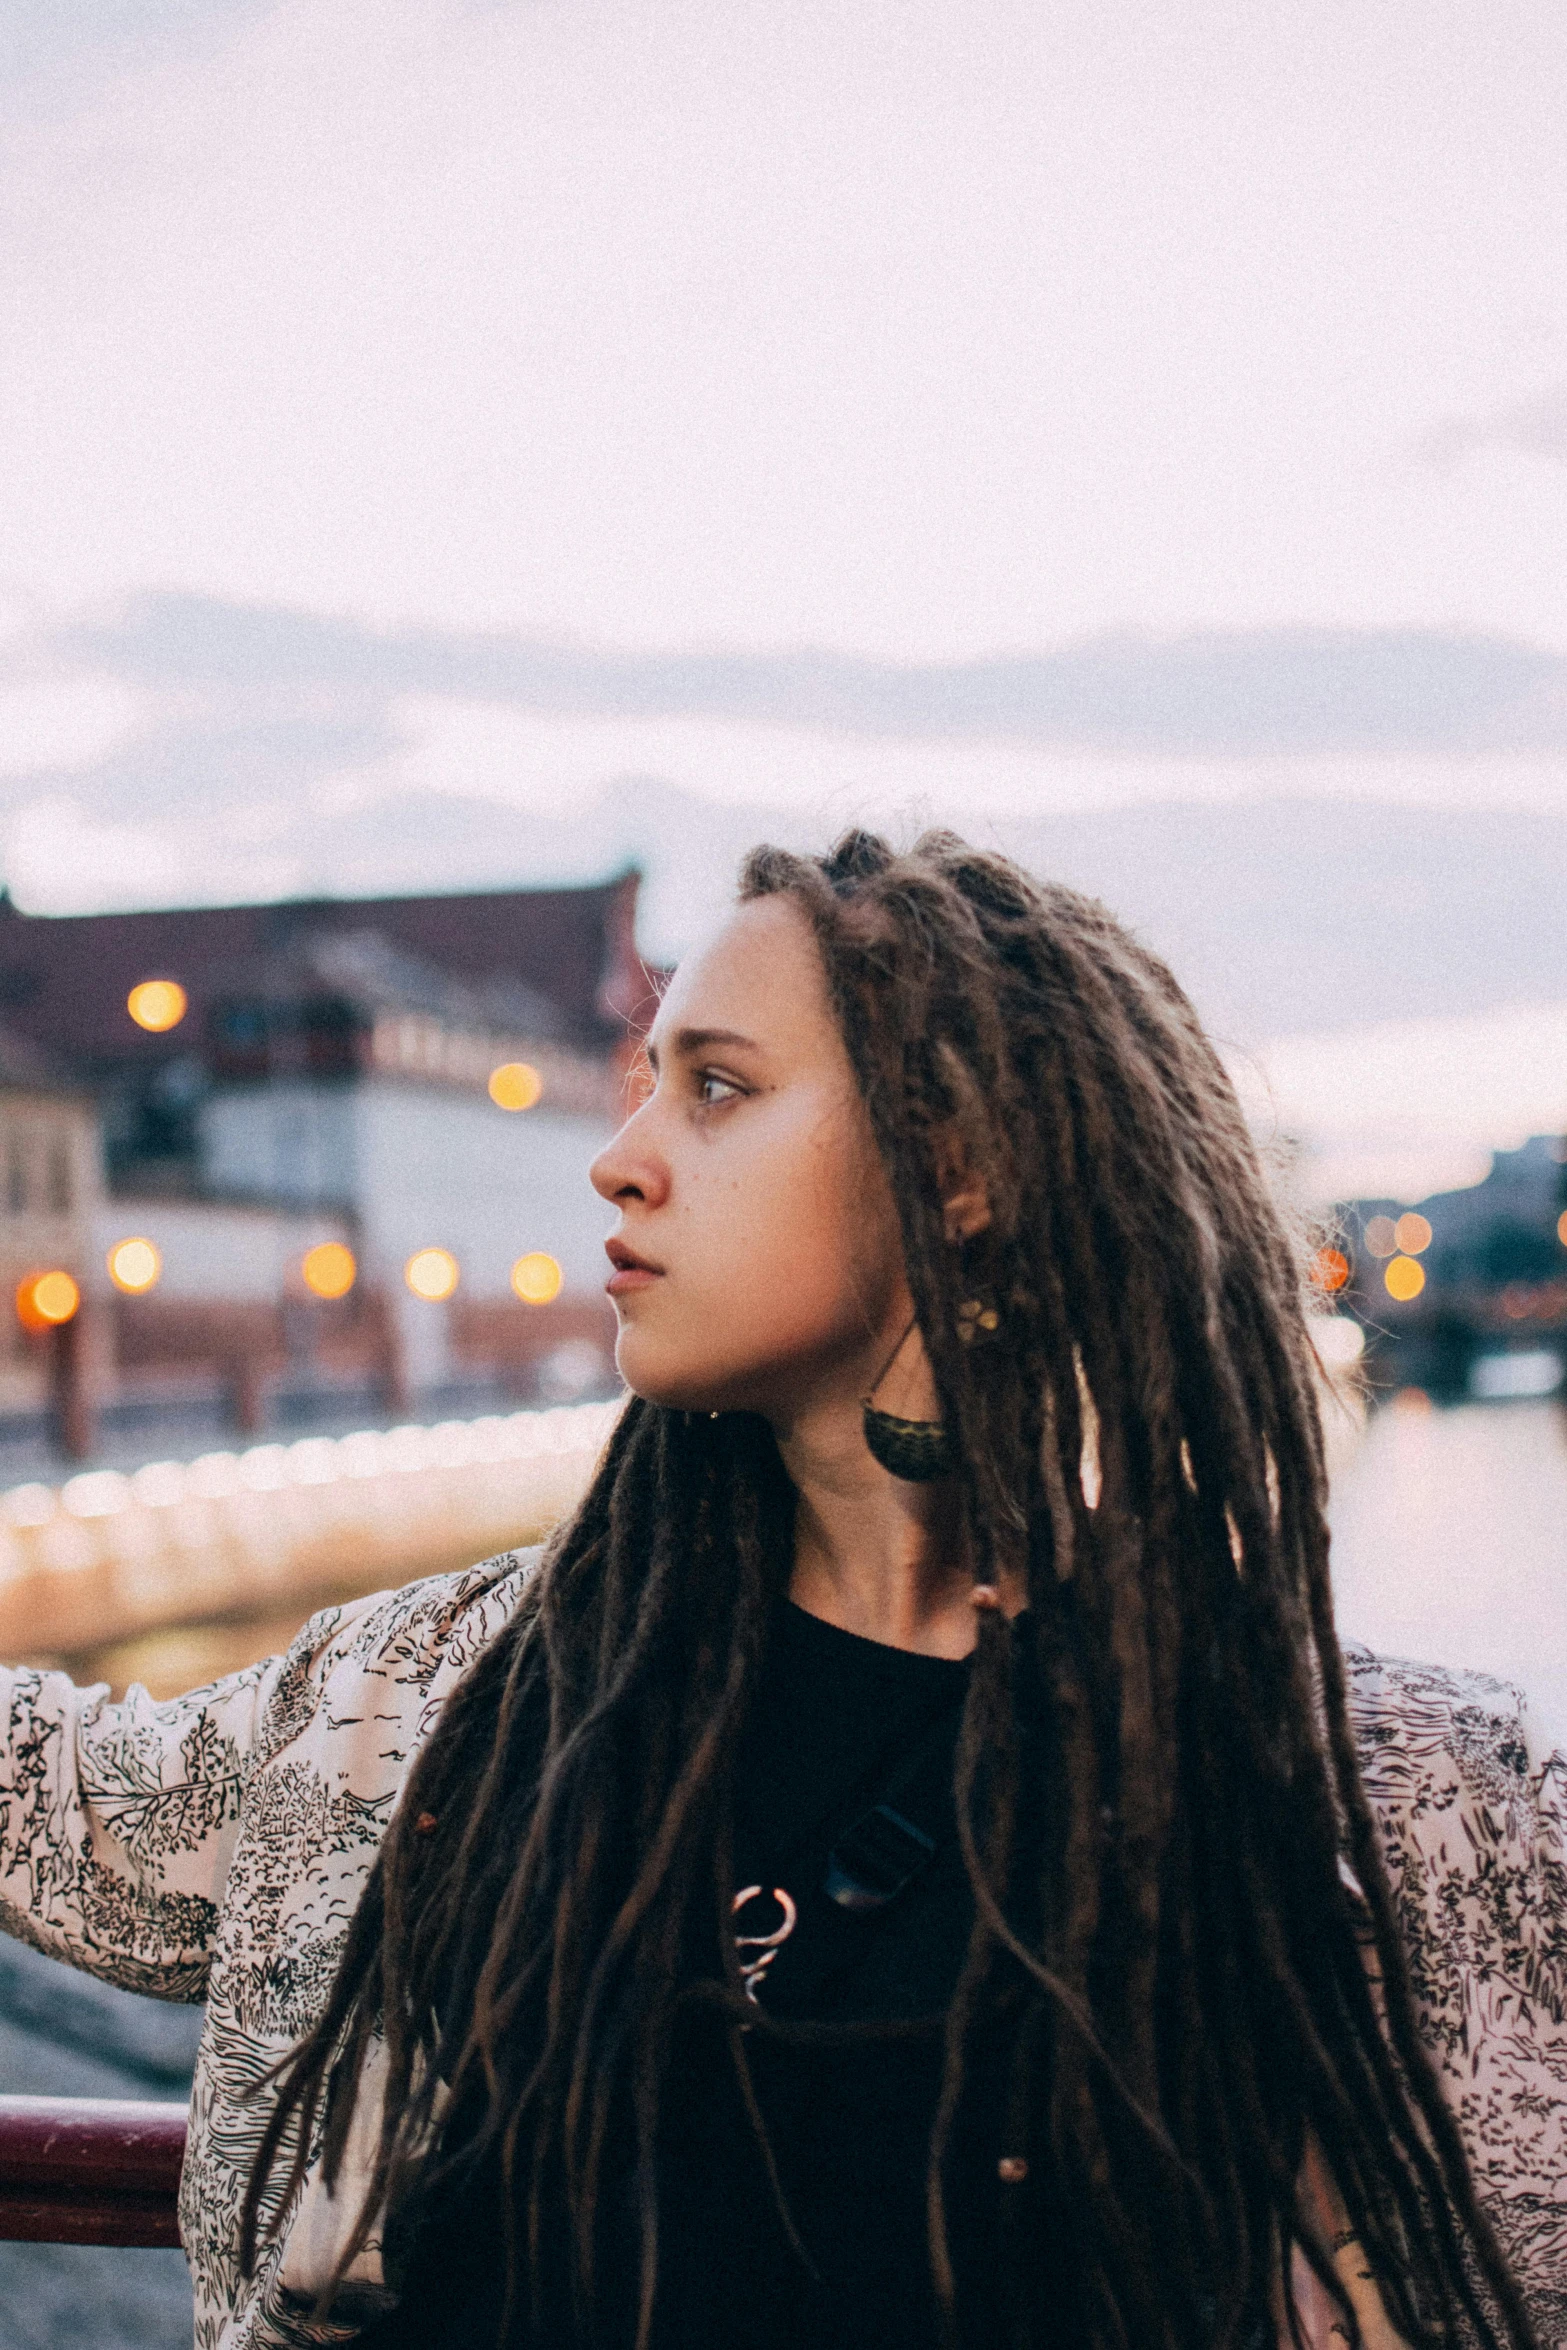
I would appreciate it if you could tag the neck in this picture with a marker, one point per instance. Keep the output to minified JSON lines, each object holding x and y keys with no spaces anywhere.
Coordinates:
{"x":873,"y":1554}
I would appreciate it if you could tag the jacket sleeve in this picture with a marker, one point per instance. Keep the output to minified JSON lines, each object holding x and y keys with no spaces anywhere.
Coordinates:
{"x":117,"y":1821}
{"x":1470,"y":1794}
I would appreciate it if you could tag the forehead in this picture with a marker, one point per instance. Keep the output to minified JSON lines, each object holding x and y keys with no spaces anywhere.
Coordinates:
{"x":760,"y":975}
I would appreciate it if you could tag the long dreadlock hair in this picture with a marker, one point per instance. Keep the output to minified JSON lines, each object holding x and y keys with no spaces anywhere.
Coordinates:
{"x":1188,"y":2007}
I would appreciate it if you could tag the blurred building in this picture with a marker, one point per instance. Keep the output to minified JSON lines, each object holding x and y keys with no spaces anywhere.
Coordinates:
{"x":340,"y":1147}
{"x":51,"y":1194}
{"x":1465,"y":1293}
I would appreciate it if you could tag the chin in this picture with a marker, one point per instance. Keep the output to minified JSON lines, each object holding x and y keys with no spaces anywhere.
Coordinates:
{"x":655,"y":1374}
{"x":659,"y":1375}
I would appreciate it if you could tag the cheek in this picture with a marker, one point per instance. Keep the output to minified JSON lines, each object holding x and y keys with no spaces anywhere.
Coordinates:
{"x":780,"y":1265}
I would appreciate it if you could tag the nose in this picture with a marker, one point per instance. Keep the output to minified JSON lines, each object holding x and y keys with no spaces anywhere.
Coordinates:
{"x":631,"y":1167}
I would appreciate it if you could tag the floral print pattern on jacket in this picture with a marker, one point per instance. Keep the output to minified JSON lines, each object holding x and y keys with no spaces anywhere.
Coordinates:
{"x":214,"y":1848}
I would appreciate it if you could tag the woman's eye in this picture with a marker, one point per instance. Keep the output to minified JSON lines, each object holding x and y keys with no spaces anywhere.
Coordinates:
{"x":712,"y":1089}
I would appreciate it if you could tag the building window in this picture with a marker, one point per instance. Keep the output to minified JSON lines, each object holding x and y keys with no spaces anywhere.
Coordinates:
{"x":60,"y":1176}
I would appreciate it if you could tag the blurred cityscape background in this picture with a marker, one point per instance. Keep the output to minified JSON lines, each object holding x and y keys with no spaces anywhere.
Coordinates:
{"x":476,"y":466}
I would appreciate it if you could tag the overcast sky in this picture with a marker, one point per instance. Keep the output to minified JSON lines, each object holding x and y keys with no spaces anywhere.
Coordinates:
{"x":922,"y":328}
{"x":925,"y":331}
{"x":951,"y":404}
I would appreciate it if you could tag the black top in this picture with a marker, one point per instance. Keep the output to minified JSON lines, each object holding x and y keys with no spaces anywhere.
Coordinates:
{"x":838,"y":1724}
{"x":838,"y":1721}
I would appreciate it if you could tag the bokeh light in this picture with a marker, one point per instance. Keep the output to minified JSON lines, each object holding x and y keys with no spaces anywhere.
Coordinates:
{"x":515,"y":1085}
{"x":1382,"y":1236}
{"x":134,"y":1266}
{"x":1330,"y":1269}
{"x":1340,"y":1342}
{"x":1412,"y":1233}
{"x":536,"y":1278}
{"x":329,"y":1269}
{"x":45,"y":1300}
{"x":1404,"y":1279}
{"x":157,"y":1004}
{"x":432,"y":1273}
{"x":1561,"y":1227}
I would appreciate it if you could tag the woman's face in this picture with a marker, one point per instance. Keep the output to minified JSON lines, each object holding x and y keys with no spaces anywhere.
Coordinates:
{"x":758,"y":1260}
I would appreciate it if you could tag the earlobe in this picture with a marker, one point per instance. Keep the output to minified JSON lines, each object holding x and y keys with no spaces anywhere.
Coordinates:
{"x":965,"y":1200}
{"x":966,"y":1213}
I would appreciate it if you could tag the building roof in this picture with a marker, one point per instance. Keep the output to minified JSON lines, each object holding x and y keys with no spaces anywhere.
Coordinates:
{"x":64,"y":979}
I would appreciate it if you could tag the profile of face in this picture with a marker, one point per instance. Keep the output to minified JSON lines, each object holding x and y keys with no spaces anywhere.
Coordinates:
{"x":758,"y":1261}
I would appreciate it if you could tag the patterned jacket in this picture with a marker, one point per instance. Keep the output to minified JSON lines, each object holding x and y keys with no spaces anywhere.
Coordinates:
{"x":214,"y":1848}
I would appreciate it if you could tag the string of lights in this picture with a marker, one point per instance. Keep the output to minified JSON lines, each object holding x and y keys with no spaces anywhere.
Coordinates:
{"x":108,"y":1556}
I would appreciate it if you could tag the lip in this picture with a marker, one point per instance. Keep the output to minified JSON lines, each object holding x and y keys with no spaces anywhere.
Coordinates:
{"x":631,"y":1271}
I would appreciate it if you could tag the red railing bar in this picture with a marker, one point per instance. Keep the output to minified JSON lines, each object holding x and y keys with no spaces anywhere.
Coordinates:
{"x":89,"y":2170}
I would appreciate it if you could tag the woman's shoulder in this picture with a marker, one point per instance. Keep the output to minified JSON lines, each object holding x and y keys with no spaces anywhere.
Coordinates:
{"x":1437,"y":1740}
{"x":1470,"y":1798}
{"x":393,"y":1656}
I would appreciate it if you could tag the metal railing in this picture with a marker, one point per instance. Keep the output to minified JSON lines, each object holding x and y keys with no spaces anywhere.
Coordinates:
{"x":89,"y":2170}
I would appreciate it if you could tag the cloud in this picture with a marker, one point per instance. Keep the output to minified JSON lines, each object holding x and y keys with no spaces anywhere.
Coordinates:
{"x":1224,"y":694}
{"x":1403,"y":1108}
{"x":1537,"y":427}
{"x":62,"y":721}
{"x":48,"y":37}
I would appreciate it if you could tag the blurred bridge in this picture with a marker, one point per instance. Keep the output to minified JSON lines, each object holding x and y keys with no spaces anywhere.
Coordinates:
{"x":180,"y":1572}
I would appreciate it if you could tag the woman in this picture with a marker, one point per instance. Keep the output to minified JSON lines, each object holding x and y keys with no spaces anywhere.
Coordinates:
{"x":899,"y":1867}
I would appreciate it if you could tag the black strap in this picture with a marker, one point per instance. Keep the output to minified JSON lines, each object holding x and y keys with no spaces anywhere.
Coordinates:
{"x":886,"y":1847}
{"x":882,"y":1846}
{"x":902,"y":1781}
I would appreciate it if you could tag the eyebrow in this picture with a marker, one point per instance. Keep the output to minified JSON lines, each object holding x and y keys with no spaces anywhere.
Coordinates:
{"x":699,"y":1040}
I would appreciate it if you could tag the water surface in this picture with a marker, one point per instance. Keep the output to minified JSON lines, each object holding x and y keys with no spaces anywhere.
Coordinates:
{"x":1450,"y":1542}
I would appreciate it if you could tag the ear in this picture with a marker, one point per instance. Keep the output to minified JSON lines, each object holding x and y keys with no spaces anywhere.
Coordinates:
{"x":965,"y":1200}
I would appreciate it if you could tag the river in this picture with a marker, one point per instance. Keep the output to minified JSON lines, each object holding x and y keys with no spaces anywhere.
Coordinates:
{"x":1450,"y":1542}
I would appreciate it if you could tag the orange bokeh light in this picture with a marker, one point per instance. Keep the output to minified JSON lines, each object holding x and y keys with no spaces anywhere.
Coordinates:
{"x":1404,"y":1279}
{"x":329,"y":1269}
{"x":432,"y":1273}
{"x":536,"y":1278}
{"x":1413,"y":1233}
{"x":134,"y":1266}
{"x":45,"y":1300}
{"x":1330,"y":1269}
{"x":157,"y":1004}
{"x":515,"y":1085}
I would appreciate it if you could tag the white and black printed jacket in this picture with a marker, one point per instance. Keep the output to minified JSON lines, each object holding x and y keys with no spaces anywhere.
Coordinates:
{"x":214,"y":1848}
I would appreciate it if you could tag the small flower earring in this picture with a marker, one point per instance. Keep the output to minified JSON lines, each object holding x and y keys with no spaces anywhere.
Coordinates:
{"x":977,"y":1320}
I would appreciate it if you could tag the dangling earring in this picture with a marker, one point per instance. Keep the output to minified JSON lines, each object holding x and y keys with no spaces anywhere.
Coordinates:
{"x":918,"y":1451}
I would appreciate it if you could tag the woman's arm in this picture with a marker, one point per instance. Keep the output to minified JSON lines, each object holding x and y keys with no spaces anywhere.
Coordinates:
{"x":117,"y":1821}
{"x":1321,"y":2324}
